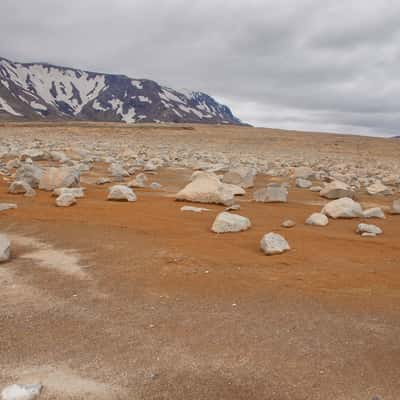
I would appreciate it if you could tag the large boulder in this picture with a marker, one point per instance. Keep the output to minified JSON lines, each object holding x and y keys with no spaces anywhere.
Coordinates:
{"x":317,"y":219}
{"x":240,"y":176}
{"x":121,"y":193}
{"x":343,"y":208}
{"x":227,"y":222}
{"x":29,"y":173}
{"x":274,"y":193}
{"x":273,"y":243}
{"x":118,"y":172}
{"x":395,"y":209}
{"x":54,"y":178}
{"x":5,"y":248}
{"x":337,"y":190}
{"x":206,"y":188}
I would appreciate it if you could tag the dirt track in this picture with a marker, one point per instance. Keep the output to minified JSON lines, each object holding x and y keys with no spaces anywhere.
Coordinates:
{"x":109,"y":300}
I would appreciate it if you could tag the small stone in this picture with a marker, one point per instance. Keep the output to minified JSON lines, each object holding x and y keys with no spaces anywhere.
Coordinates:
{"x":103,"y":181}
{"x":288,"y":223}
{"x":121,"y":193}
{"x":378,"y":188}
{"x":375,"y":212}
{"x":139,"y":181}
{"x":5,"y":248}
{"x":370,"y":229}
{"x":343,"y":208}
{"x":20,"y":187}
{"x":7,"y":206}
{"x":273,"y":243}
{"x":194,"y":209}
{"x":303,"y":183}
{"x":65,"y":200}
{"x":155,"y":186}
{"x":271,"y":194}
{"x":395,"y":209}
{"x":233,"y":207}
{"x":337,"y":190}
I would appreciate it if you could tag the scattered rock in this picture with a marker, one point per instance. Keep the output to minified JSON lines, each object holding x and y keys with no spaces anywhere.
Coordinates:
{"x":29,"y":173}
{"x":337,"y":190}
{"x":317,"y":219}
{"x":7,"y":206}
{"x":118,"y":172}
{"x":303,"y":172}
{"x":303,"y":183}
{"x":378,"y":188}
{"x":288,"y":224}
{"x":78,"y":193}
{"x":5,"y":248}
{"x":194,"y":209}
{"x":21,"y":187}
{"x":395,"y":209}
{"x":65,"y":200}
{"x":121,"y":193}
{"x":233,"y":207}
{"x":54,"y":178}
{"x":139,"y":181}
{"x":315,"y":188}
{"x":273,"y":243}
{"x":343,"y":208}
{"x":206,"y":188}
{"x":21,"y":392}
{"x":369,"y":230}
{"x":227,"y":222}
{"x":271,"y":194}
{"x":375,"y":212}
{"x":241,"y":176}
{"x":155,"y":186}
{"x":103,"y":181}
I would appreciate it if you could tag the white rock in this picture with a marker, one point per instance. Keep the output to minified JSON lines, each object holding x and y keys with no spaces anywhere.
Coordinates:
{"x":139,"y":181}
{"x":303,"y":172}
{"x":315,"y":188}
{"x":30,"y":174}
{"x":337,"y":190}
{"x":65,"y":200}
{"x":273,"y":243}
{"x":303,"y":183}
{"x":271,"y":194}
{"x":54,"y":178}
{"x":20,"y":187}
{"x":194,"y":209}
{"x":288,"y":224}
{"x":378,"y":188}
{"x":395,"y":209}
{"x":240,"y":176}
{"x":5,"y":248}
{"x":206,"y":188}
{"x":78,"y":193}
{"x":21,"y":392}
{"x":121,"y":193}
{"x":118,"y":172}
{"x":155,"y":186}
{"x":7,"y":206}
{"x":370,"y":229}
{"x":317,"y":219}
{"x":343,"y":208}
{"x":375,"y":212}
{"x":227,"y":222}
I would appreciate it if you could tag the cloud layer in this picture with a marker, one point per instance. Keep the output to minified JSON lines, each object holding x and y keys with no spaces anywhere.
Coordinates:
{"x":296,"y":64}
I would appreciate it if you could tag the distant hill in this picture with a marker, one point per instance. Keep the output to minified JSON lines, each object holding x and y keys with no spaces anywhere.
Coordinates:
{"x":42,"y":91}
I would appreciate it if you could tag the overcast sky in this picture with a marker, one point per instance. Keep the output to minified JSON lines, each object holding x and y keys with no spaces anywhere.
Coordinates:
{"x":296,"y":64}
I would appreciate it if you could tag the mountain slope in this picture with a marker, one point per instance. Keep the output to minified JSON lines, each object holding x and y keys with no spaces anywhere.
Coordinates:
{"x":44,"y":91}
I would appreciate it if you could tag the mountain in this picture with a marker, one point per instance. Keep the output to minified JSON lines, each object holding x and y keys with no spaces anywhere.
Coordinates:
{"x":42,"y":91}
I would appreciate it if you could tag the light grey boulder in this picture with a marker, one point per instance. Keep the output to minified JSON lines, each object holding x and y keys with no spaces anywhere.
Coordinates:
{"x":375,"y":212}
{"x":21,"y":187}
{"x":118,"y":172}
{"x":206,"y":188}
{"x":54,"y":178}
{"x":273,"y":243}
{"x":5,"y":248}
{"x":121,"y":193}
{"x":155,"y":186}
{"x":139,"y":181}
{"x":21,"y":392}
{"x":369,"y":229}
{"x":343,"y":208}
{"x":65,"y":200}
{"x":34,"y":154}
{"x":303,"y":183}
{"x":228,"y":222}
{"x":337,"y":190}
{"x":378,"y":188}
{"x":317,"y":219}
{"x":29,"y":173}
{"x":240,"y":176}
{"x":194,"y":209}
{"x":395,"y":209}
{"x":271,"y":194}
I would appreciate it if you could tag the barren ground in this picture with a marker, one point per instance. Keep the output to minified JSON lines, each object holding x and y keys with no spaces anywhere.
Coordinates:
{"x":107,"y":300}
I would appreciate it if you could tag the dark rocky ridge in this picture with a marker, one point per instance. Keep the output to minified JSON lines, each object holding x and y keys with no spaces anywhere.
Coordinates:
{"x":40,"y":91}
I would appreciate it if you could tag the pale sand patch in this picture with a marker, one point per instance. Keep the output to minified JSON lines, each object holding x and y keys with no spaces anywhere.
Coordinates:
{"x":64,"y":261}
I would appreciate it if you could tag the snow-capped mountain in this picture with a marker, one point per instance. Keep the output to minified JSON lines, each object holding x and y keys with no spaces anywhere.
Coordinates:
{"x":44,"y":91}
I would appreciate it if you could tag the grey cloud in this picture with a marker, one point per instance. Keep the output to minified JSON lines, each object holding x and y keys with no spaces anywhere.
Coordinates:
{"x":305,"y":64}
